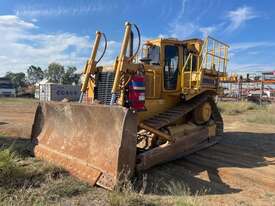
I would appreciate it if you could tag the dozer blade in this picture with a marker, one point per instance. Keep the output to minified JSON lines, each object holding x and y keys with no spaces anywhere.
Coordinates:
{"x":95,"y":143}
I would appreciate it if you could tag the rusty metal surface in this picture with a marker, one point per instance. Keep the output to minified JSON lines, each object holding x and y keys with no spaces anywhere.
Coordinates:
{"x":170,"y":151}
{"x":91,"y":141}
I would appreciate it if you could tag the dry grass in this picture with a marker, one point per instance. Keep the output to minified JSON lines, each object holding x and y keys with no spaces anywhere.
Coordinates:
{"x":42,"y":188}
{"x":123,"y":198}
{"x":177,"y":195}
{"x":264,"y":116}
{"x":125,"y":193}
{"x":253,"y":113}
{"x":43,"y":192}
{"x":182,"y":195}
{"x":27,"y":181}
{"x":10,"y":100}
{"x":234,"y":108}
{"x":41,"y":184}
{"x":9,"y":168}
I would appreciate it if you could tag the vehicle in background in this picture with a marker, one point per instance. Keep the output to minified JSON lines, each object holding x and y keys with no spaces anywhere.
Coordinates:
{"x":259,"y":96}
{"x":7,"y":89}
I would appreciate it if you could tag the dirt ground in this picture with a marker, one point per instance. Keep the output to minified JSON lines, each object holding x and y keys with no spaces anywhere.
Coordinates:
{"x":240,"y":170}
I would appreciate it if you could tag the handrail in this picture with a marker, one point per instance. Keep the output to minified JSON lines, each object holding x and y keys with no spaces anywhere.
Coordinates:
{"x":217,"y":46}
{"x":218,"y":53}
{"x":205,"y":42}
{"x":182,"y":71}
{"x":190,"y":71}
{"x":184,"y":68}
{"x":220,"y":42}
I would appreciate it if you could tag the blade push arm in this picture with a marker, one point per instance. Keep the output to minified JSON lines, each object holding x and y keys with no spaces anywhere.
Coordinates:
{"x":121,"y":61}
{"x":91,"y":63}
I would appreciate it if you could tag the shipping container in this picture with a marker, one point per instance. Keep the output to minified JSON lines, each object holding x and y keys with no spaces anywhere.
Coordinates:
{"x":37,"y":92}
{"x":58,"y":92}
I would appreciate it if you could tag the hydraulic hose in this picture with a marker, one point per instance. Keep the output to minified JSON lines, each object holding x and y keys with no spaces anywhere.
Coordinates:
{"x":93,"y":62}
{"x":105,"y":47}
{"x":139,"y":42}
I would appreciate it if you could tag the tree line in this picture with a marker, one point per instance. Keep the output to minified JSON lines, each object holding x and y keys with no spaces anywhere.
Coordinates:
{"x":55,"y":73}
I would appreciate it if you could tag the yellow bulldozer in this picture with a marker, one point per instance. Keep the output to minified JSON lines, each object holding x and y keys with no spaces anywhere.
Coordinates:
{"x":148,"y":108}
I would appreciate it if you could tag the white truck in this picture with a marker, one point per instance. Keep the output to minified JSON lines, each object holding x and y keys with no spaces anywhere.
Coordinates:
{"x":7,"y":89}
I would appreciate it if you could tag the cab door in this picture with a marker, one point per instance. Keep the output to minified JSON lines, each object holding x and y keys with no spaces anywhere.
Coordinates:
{"x":153,"y":73}
{"x":171,"y":67}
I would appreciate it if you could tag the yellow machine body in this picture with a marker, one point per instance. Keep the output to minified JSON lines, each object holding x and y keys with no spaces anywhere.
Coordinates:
{"x":100,"y":140}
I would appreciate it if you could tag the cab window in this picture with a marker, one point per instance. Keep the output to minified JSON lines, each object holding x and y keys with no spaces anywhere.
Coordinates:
{"x":171,"y":67}
{"x":153,"y":54}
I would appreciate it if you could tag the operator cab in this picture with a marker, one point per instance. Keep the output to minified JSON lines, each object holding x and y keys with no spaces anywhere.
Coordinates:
{"x":169,"y":55}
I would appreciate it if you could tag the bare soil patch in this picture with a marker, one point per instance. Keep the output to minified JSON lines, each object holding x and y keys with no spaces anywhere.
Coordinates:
{"x":240,"y":170}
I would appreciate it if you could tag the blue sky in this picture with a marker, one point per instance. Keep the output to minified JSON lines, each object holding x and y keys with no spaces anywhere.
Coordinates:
{"x":40,"y":32}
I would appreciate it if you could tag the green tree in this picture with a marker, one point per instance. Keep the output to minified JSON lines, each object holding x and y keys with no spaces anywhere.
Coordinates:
{"x":70,"y":76}
{"x":35,"y":74}
{"x":17,"y":79}
{"x":55,"y":72}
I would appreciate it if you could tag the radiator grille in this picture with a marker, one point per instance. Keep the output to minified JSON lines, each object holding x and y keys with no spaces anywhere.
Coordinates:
{"x":103,"y":87}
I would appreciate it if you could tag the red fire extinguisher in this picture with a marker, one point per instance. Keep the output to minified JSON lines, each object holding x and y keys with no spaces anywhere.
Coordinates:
{"x":136,"y":93}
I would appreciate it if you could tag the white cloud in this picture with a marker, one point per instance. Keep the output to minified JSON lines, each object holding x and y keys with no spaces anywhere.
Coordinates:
{"x":239,"y":16}
{"x":247,"y":50}
{"x":21,"y":46}
{"x":241,"y":46}
{"x":183,"y":31}
{"x":207,"y":30}
{"x":186,"y":30}
{"x":11,"y":21}
{"x":111,"y":53}
{"x":76,"y":9}
{"x":182,"y":10}
{"x":238,"y":68}
{"x":162,"y":35}
{"x":179,"y":28}
{"x":254,"y":52}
